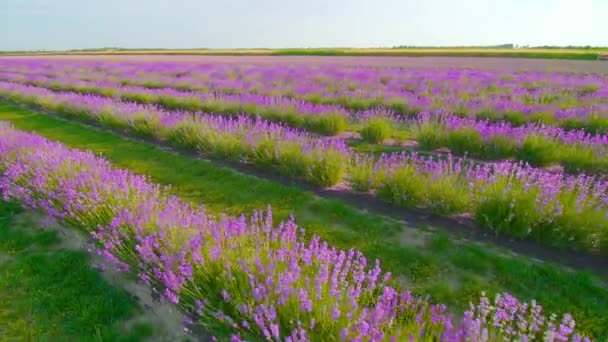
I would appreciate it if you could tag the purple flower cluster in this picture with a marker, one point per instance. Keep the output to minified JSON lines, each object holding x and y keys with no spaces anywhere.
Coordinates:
{"x":513,"y":320}
{"x":258,"y":279}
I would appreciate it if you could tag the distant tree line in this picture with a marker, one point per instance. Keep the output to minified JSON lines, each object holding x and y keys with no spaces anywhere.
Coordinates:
{"x":501,"y":46}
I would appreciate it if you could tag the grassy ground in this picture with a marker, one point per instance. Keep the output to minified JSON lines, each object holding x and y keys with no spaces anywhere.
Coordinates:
{"x":452,"y":270}
{"x":585,"y":54}
{"x":51,"y":294}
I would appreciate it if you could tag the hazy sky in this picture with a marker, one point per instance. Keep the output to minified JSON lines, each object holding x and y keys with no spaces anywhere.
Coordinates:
{"x":68,"y":24}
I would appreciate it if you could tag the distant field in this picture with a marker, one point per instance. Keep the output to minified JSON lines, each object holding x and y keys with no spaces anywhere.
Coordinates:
{"x":486,"y":63}
{"x":584,"y":54}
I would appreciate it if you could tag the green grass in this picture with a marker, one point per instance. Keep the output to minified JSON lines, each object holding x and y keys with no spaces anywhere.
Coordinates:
{"x":50,"y":294}
{"x":450,"y":270}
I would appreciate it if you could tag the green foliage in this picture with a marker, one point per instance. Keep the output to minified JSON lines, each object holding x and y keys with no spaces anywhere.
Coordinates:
{"x":144,"y":125}
{"x":361,"y":175}
{"x":405,"y":187}
{"x":138,"y":97}
{"x":510,"y":206}
{"x":464,"y":140}
{"x":511,"y":211}
{"x":597,"y":124}
{"x":359,"y":103}
{"x":546,"y":118}
{"x":328,"y":124}
{"x":325,"y":168}
{"x":429,"y":135}
{"x":539,"y":151}
{"x":448,"y":195}
{"x":376,"y":129}
{"x":572,"y":124}
{"x":594,"y":123}
{"x":400,"y":106}
{"x":487,"y":114}
{"x":498,"y":147}
{"x":577,"y":159}
{"x":108,"y":119}
{"x":589,"y":89}
{"x":190,"y":103}
{"x":515,"y":118}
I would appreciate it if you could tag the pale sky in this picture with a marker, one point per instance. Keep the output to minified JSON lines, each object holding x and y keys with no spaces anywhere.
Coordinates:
{"x":70,"y":24}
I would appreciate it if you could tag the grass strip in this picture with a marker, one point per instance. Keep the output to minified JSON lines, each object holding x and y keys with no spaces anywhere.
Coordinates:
{"x":50,"y":294}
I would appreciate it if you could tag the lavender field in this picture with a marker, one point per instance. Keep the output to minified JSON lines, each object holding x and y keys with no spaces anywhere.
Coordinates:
{"x":370,"y":201}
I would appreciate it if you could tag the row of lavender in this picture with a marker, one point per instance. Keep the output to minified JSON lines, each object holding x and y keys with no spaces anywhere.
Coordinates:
{"x":505,"y":197}
{"x":246,"y":276}
{"x":538,"y":144}
{"x":308,"y":79}
{"x":324,"y":119}
{"x":321,"y":162}
{"x":511,"y":198}
{"x":574,"y":100}
{"x":581,"y":112}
